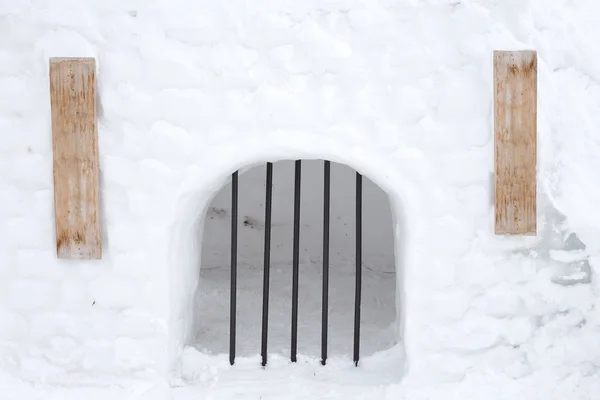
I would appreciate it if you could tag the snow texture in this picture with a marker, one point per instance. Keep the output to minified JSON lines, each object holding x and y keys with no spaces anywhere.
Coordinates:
{"x":401,"y":91}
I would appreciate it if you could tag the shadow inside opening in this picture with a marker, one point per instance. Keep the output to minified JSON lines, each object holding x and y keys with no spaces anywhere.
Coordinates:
{"x":378,"y":313}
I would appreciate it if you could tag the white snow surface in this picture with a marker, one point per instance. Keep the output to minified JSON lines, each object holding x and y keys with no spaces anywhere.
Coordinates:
{"x":401,"y":91}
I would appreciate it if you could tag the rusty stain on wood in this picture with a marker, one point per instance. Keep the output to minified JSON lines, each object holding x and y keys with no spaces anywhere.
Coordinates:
{"x":515,"y":142}
{"x":75,"y":153}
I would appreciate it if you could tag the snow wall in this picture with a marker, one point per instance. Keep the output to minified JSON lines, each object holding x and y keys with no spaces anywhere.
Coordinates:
{"x":401,"y":91}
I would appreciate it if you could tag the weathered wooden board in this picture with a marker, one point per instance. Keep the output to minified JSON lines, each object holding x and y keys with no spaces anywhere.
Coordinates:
{"x":75,"y":151}
{"x":515,"y":142}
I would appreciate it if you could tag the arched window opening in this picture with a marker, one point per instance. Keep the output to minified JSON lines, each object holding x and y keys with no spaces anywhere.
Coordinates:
{"x":311,"y":260}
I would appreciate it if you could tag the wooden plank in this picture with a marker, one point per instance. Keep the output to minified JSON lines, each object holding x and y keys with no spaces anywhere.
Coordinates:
{"x":75,"y":152}
{"x":515,"y":142}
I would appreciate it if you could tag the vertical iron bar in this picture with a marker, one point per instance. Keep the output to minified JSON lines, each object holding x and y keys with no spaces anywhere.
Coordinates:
{"x":357,"y":294}
{"x":267,"y":266}
{"x":233,"y":294}
{"x":296,"y":259}
{"x":326,"y":208}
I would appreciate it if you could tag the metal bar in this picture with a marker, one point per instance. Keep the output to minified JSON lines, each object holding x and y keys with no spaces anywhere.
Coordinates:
{"x":267,"y":258}
{"x":296,"y":259}
{"x":325,"y":301}
{"x":233,"y":293}
{"x":357,"y":294}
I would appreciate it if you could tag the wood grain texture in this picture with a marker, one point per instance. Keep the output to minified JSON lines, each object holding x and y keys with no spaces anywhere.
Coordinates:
{"x":515,"y":142}
{"x":75,"y":152}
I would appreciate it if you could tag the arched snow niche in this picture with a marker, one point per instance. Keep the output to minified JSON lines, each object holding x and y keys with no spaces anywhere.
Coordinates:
{"x":378,"y":315}
{"x":201,"y":185}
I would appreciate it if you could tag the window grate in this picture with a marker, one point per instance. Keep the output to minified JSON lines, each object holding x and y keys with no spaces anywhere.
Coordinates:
{"x":295,"y":264}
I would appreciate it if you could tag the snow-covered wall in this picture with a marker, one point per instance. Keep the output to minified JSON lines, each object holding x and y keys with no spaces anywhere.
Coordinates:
{"x":401,"y":91}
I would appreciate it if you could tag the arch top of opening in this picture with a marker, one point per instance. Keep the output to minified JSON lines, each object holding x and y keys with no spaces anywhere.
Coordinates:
{"x":392,"y":172}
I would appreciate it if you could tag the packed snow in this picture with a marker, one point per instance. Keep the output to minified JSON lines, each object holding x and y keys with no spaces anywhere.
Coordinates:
{"x":400,"y":91}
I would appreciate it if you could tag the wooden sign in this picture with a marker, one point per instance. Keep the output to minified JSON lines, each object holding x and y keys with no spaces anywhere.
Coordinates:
{"x":75,"y":153}
{"x":515,"y":142}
